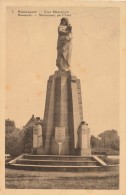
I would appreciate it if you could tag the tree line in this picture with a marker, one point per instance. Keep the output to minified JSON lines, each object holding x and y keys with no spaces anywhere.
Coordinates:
{"x":108,"y":141}
{"x":19,"y":141}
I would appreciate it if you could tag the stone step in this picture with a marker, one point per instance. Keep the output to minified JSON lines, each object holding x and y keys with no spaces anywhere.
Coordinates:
{"x":56,"y":162}
{"x":57,"y":168}
{"x":57,"y":157}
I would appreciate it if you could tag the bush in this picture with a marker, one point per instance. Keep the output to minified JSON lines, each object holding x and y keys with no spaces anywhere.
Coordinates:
{"x":13,"y":139}
{"x":28,"y":139}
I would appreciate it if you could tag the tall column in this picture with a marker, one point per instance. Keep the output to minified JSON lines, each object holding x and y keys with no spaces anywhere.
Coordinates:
{"x":63,"y":113}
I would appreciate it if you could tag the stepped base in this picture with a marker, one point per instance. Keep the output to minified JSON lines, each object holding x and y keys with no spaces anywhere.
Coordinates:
{"x":57,"y":168}
{"x":58,"y":163}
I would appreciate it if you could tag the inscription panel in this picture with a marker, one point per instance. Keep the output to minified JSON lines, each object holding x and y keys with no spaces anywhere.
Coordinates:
{"x":59,"y":134}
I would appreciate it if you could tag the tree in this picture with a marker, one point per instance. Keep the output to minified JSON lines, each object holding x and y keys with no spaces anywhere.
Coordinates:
{"x":93,"y":141}
{"x":28,"y":139}
{"x":110,"y":139}
{"x":13,"y":138}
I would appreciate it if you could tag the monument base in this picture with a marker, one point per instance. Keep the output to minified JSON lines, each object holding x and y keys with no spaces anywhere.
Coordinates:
{"x":58,"y":163}
{"x":86,"y":151}
{"x":40,"y":150}
{"x":63,"y":113}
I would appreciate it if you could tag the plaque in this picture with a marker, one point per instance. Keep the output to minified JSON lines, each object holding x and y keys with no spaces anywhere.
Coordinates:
{"x":59,"y":134}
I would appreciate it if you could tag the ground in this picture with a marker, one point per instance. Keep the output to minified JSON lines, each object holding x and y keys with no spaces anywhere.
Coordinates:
{"x":20,"y":179}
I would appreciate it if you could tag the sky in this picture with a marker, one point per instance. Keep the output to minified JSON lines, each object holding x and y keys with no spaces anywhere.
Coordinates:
{"x":31,"y":58}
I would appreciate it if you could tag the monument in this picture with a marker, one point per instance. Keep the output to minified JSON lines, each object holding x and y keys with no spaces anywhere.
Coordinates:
{"x":61,"y":142}
{"x":62,"y":132}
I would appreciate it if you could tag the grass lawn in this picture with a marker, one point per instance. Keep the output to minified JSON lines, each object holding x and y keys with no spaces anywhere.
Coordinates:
{"x":20,"y":179}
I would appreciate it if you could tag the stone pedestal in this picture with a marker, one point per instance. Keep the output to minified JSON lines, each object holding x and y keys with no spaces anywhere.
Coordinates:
{"x":35,"y":138}
{"x":85,"y":149}
{"x":38,"y":139}
{"x":63,"y":110}
{"x":84,"y":139}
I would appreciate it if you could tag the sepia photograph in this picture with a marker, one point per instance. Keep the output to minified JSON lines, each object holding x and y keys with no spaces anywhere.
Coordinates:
{"x":62,"y":97}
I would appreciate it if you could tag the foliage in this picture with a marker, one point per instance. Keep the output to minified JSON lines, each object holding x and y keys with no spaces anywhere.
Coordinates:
{"x":108,"y":140}
{"x":17,"y":141}
{"x":13,"y":139}
{"x":93,"y":141}
{"x":28,"y":139}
